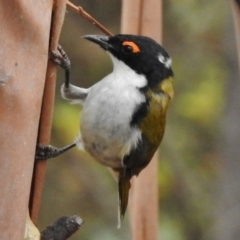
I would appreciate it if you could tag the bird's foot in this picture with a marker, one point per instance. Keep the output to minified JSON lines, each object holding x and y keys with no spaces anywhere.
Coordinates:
{"x":60,"y":58}
{"x":45,"y":152}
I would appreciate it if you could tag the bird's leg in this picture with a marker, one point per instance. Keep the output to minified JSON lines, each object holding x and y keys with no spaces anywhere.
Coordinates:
{"x":60,"y":58}
{"x":46,"y":152}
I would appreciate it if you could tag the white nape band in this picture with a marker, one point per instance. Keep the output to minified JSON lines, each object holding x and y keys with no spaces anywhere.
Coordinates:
{"x":165,"y":60}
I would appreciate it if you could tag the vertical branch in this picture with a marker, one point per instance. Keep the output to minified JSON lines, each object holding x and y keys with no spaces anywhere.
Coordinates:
{"x":145,"y":19}
{"x":23,"y":62}
{"x":47,"y":110}
{"x":227,"y":214}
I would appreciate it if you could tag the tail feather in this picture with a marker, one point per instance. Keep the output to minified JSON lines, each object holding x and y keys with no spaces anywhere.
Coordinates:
{"x":123,"y":191}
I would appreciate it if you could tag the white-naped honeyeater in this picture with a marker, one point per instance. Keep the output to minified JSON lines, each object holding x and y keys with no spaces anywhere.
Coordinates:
{"x":124,"y":115}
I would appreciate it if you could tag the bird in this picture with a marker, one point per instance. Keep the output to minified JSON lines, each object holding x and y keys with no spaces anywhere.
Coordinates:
{"x":123,"y":115}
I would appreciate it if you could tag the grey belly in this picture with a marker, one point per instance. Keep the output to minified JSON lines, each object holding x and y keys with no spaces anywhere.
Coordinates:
{"x":104,"y":148}
{"x":105,"y":137}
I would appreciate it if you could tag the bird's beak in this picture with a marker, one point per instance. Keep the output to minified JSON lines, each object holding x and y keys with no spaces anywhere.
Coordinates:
{"x":102,"y":41}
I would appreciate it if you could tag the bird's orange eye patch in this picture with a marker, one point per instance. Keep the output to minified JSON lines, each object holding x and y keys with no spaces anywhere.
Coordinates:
{"x":134,"y":46}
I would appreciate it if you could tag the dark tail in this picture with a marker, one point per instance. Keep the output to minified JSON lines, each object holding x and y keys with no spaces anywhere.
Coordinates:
{"x":123,"y":191}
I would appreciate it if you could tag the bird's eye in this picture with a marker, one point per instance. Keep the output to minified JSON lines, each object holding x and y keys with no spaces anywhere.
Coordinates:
{"x":127,"y":49}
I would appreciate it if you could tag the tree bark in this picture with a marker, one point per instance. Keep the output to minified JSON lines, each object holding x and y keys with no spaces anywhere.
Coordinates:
{"x":25,"y":27}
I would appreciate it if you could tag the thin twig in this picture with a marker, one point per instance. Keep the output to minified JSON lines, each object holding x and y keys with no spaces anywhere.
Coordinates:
{"x":87,"y":16}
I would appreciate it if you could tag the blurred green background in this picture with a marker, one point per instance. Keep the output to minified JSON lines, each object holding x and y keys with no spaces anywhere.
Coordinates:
{"x":199,"y":156}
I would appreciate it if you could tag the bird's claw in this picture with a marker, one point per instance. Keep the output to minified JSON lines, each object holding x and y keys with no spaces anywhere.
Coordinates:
{"x":45,"y":152}
{"x":60,"y":58}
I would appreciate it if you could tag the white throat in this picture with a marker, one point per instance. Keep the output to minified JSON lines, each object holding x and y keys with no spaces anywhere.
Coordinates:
{"x":124,"y":73}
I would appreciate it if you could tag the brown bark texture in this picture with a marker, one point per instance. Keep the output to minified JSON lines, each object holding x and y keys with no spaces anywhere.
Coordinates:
{"x":144,"y":17}
{"x":24,"y":37}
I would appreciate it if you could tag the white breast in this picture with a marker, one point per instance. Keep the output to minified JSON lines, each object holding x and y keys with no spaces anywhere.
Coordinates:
{"x":107,"y":112}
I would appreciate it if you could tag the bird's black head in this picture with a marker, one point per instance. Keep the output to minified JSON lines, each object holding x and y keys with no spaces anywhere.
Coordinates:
{"x":142,"y":54}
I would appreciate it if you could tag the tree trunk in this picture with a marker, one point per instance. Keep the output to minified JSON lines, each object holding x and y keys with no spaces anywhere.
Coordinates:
{"x":25,"y":27}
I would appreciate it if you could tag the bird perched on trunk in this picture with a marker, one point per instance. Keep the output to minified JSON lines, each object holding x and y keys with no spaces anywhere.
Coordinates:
{"x":123,"y":116}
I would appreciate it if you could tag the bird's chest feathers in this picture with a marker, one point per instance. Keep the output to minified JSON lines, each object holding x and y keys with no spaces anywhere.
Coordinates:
{"x":112,"y":101}
{"x":106,"y":116}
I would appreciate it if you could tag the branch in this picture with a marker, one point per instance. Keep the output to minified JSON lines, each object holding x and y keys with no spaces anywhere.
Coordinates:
{"x":62,"y":228}
{"x":45,"y":124}
{"x":87,"y":16}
